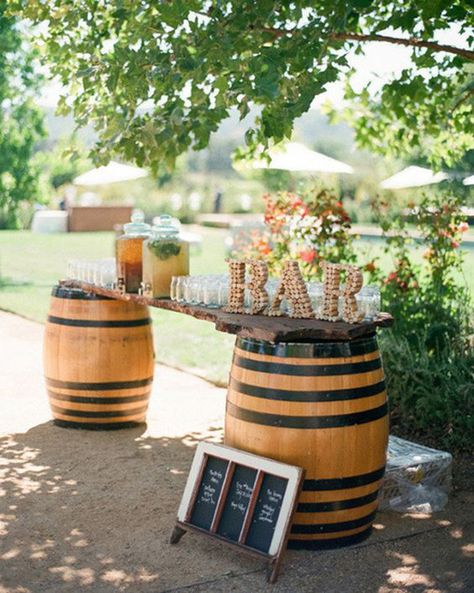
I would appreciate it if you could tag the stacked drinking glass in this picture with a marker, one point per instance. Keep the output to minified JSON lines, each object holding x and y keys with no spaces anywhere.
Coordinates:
{"x":211,"y":291}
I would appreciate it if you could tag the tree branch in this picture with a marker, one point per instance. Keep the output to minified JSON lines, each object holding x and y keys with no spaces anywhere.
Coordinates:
{"x":410,"y":42}
{"x":467,"y":95}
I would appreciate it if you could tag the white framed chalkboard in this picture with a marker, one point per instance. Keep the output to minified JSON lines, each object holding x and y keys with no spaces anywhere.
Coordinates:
{"x":243,"y":499}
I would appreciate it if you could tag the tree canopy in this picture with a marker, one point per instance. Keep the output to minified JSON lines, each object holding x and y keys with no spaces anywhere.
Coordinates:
{"x":20,"y":122}
{"x":157,"y":78}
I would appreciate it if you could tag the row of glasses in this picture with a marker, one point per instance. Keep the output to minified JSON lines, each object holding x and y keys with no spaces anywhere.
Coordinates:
{"x":211,"y":291}
{"x":208,"y":290}
{"x":368,"y":301}
{"x":101,"y":272}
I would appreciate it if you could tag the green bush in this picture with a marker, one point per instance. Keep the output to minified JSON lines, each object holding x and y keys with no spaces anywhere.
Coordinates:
{"x":431,"y":396}
{"x":428,"y":358}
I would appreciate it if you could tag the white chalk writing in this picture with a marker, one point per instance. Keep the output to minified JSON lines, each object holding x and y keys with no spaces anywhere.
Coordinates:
{"x":266,"y":513}
{"x":207,"y":495}
{"x":216,"y":476}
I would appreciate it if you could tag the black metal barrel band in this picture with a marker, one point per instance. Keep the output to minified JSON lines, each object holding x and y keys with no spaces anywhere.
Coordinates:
{"x":103,"y":401}
{"x":345,"y":349}
{"x":101,"y":414}
{"x":307,"y":422}
{"x":115,"y":323}
{"x":295,"y":543}
{"x":317,"y":528}
{"x":103,"y":386}
{"x":345,"y":482}
{"x":295,"y":370}
{"x":63,"y":292}
{"x":306,"y":396}
{"x":337,"y":505}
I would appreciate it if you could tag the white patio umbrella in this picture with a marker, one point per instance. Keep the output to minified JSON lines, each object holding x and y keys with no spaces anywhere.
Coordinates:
{"x":294,"y":156}
{"x":469,"y":180}
{"x":112,"y":173}
{"x":413,"y":177}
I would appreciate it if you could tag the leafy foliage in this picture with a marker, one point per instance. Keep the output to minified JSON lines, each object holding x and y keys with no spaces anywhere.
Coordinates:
{"x":428,"y":357}
{"x":425,"y":298}
{"x":20,"y":122}
{"x":62,"y":163}
{"x":156,"y":78}
{"x":431,"y":396}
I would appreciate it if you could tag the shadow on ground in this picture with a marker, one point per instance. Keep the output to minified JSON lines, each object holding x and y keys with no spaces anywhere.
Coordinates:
{"x":92,"y":511}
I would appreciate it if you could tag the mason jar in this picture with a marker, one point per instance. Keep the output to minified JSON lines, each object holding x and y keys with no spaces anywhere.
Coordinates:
{"x":164,"y":255}
{"x":128,"y":251}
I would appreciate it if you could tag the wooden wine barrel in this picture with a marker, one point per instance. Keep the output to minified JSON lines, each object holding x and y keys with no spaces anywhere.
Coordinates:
{"x":98,"y":360}
{"x":321,"y":406}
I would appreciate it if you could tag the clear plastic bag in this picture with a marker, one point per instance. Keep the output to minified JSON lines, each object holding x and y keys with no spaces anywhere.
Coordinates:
{"x":417,"y":478}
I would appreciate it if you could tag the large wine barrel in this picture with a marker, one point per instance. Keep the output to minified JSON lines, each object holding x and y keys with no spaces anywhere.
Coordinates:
{"x":321,"y":406}
{"x":98,"y":360}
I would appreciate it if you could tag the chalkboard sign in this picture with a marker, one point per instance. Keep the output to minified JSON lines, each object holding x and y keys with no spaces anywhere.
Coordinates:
{"x":242,"y":499}
{"x":266,"y":513}
{"x":209,"y":492}
{"x":237,"y":502}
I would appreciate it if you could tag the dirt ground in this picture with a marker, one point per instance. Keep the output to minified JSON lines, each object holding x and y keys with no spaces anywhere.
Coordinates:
{"x":92,"y":511}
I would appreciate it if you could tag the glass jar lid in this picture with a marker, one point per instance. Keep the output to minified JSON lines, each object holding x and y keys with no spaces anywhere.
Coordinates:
{"x":167,"y":228}
{"x":138,"y":225}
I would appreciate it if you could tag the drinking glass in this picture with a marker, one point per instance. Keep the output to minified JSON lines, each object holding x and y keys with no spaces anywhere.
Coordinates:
{"x":181,"y":288}
{"x":223,"y":292}
{"x":211,"y":292}
{"x":173,"y":287}
{"x":107,"y":274}
{"x":72,"y":269}
{"x":316,"y":294}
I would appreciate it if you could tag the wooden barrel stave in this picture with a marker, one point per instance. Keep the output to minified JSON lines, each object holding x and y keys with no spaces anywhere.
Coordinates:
{"x":315,"y":408}
{"x":98,"y":360}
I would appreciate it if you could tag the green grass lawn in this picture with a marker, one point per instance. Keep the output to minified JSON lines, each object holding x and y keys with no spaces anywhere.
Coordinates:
{"x":31,"y":264}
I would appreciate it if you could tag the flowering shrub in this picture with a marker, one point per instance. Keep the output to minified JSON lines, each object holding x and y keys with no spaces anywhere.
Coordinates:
{"x":311,"y":227}
{"x":425,"y":297}
{"x":428,"y":359}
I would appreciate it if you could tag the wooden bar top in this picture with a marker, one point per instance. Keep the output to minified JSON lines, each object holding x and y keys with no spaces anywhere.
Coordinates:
{"x":259,"y":327}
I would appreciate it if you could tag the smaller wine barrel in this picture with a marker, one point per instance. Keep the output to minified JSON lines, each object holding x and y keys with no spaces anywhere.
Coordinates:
{"x":98,"y":360}
{"x":321,"y":406}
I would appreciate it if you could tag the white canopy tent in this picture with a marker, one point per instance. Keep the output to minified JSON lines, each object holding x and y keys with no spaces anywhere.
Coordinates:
{"x":294,"y":156}
{"x":413,"y":177}
{"x":469,"y":180}
{"x":112,"y":173}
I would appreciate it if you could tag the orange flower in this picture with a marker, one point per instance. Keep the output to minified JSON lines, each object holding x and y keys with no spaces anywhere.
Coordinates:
{"x":428,"y":253}
{"x":463,"y":227}
{"x":263,"y":247}
{"x":370,"y":267}
{"x":308,"y":255}
{"x":455,"y":244}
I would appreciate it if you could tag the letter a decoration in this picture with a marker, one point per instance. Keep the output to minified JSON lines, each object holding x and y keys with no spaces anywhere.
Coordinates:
{"x":292,"y":287}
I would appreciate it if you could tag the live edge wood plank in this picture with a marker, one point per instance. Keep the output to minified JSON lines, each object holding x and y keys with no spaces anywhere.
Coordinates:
{"x":259,"y":327}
